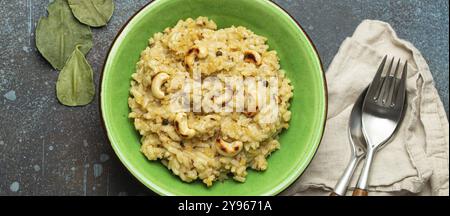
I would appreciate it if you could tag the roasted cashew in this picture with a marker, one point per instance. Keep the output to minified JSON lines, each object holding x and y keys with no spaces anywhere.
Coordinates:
{"x":192,"y":54}
{"x":228,"y":149}
{"x":157,"y":82}
{"x":252,"y":56}
{"x":181,"y":126}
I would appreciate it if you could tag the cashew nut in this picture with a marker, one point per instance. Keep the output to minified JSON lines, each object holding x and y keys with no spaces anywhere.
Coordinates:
{"x":252,"y":56}
{"x":182,"y":127}
{"x":157,"y":82}
{"x":228,"y":149}
{"x":192,"y":54}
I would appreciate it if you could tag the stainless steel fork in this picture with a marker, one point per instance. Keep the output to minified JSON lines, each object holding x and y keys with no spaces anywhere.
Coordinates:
{"x":382,"y":112}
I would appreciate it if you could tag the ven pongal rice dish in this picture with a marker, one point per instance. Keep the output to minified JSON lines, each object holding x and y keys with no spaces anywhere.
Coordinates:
{"x":209,"y":102}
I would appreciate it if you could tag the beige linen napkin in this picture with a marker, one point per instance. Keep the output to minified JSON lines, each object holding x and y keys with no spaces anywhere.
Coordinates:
{"x":416,"y":161}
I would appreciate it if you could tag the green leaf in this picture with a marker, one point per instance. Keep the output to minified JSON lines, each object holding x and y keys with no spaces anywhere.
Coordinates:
{"x":94,"y":13}
{"x":59,"y":33}
{"x":75,"y":85}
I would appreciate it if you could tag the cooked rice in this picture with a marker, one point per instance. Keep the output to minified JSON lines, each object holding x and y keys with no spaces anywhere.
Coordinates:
{"x":197,"y":157}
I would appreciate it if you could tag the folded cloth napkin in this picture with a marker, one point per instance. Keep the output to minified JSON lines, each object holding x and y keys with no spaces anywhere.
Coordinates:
{"x":416,"y":161}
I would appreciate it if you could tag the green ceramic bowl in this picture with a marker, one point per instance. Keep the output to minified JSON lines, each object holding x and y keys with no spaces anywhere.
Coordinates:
{"x":297,"y":56}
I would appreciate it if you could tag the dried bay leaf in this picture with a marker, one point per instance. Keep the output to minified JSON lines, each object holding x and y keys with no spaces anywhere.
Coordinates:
{"x":58,"y":34}
{"x":94,"y":13}
{"x":75,"y":85}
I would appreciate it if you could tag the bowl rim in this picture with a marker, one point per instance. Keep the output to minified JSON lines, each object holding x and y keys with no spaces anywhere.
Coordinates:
{"x":157,"y":189}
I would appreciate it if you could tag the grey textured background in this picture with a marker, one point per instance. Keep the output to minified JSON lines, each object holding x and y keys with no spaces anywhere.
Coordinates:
{"x":50,"y":149}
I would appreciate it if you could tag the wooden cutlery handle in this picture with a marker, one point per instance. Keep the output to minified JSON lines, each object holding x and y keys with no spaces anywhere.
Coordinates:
{"x":360,"y":192}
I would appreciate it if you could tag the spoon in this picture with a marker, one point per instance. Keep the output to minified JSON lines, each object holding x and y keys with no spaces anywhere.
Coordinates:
{"x":357,"y":144}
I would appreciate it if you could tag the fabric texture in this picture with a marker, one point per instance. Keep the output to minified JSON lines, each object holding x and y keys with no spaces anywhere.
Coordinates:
{"x":416,"y":161}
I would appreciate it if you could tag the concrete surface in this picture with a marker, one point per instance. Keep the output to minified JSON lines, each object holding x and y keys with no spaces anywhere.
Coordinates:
{"x":50,"y":149}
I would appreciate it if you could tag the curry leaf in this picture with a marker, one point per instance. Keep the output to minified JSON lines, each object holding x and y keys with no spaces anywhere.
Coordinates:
{"x":75,"y":85}
{"x":94,"y":13}
{"x":59,"y":33}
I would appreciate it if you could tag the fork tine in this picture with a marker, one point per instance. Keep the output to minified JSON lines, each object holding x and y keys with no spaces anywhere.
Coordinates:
{"x":396,"y":69}
{"x":392,"y":84}
{"x":401,"y":90}
{"x":383,"y":90}
{"x":405,"y":72}
{"x":377,"y":80}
